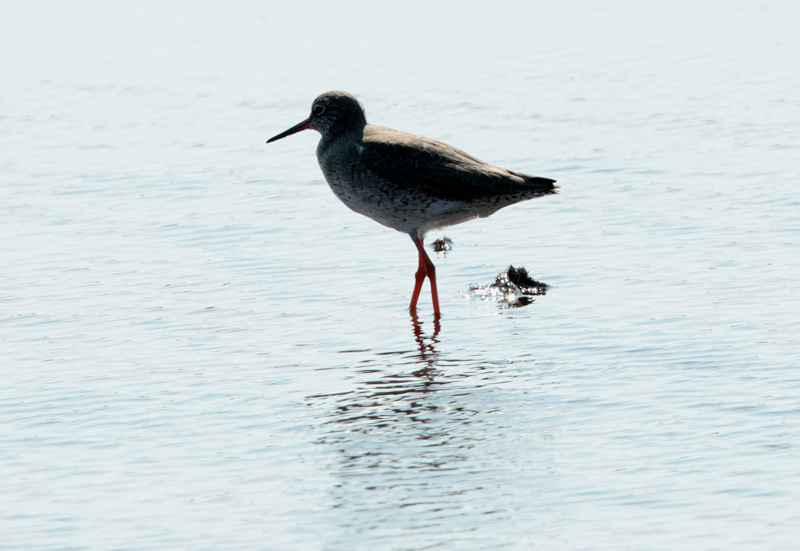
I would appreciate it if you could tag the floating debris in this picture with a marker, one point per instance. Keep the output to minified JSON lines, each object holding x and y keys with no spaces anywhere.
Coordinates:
{"x":513,"y":287}
{"x":520,"y":278}
{"x":443,"y":245}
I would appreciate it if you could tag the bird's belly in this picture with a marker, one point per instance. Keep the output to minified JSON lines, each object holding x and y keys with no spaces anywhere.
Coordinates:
{"x":405,"y":211}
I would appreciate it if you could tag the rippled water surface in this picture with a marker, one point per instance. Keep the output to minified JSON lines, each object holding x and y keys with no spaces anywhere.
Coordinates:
{"x":203,"y":349}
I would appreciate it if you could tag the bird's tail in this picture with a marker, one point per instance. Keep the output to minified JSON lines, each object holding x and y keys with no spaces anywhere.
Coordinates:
{"x":540,"y":186}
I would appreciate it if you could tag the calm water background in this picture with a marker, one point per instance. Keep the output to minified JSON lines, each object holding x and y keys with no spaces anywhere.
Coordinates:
{"x":203,"y":349}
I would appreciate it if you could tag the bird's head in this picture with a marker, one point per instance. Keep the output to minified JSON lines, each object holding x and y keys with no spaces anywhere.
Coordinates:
{"x":332,"y":113}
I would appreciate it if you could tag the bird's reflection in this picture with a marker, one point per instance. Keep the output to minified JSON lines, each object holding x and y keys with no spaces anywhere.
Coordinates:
{"x":427,"y":346}
{"x":408,"y":391}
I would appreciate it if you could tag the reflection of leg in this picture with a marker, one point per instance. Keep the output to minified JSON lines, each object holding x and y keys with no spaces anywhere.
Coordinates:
{"x":426,"y":268}
{"x":427,"y":347}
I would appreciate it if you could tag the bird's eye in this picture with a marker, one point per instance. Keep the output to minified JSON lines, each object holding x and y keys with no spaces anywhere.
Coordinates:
{"x":319,"y":109}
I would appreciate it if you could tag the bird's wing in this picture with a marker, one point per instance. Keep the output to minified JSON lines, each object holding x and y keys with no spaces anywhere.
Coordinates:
{"x":412,"y":163}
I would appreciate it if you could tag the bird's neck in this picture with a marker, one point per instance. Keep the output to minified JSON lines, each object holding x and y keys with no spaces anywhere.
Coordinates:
{"x":336,"y":136}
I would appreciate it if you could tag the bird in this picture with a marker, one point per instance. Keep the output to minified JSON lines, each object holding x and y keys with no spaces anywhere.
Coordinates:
{"x":406,"y":182}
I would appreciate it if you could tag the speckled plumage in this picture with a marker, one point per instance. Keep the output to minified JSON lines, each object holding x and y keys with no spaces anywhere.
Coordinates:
{"x":407,"y":182}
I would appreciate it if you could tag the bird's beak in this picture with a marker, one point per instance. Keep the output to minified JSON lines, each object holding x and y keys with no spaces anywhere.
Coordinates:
{"x":305,"y":125}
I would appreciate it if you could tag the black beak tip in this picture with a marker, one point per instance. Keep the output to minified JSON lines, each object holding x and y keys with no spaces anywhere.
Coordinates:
{"x":306,"y":124}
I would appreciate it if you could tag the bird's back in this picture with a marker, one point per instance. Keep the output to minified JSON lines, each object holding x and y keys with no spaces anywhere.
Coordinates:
{"x":415,"y":163}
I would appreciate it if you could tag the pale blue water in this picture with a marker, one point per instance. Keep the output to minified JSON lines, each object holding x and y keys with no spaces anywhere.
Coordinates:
{"x":203,"y":349}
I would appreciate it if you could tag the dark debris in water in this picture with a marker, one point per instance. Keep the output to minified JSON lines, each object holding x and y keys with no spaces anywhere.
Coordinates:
{"x":520,"y":278}
{"x":514,"y":287}
{"x":443,"y":245}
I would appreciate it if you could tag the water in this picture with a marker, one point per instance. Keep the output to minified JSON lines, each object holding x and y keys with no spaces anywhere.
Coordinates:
{"x":203,"y":349}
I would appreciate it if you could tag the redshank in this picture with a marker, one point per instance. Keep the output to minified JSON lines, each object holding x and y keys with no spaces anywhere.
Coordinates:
{"x":409,"y":183}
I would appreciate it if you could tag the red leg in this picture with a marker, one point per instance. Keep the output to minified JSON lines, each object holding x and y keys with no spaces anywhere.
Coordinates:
{"x":426,"y":268}
{"x":420,"y":278}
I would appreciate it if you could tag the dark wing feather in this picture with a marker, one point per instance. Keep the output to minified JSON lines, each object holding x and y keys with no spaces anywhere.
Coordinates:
{"x":413,"y":163}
